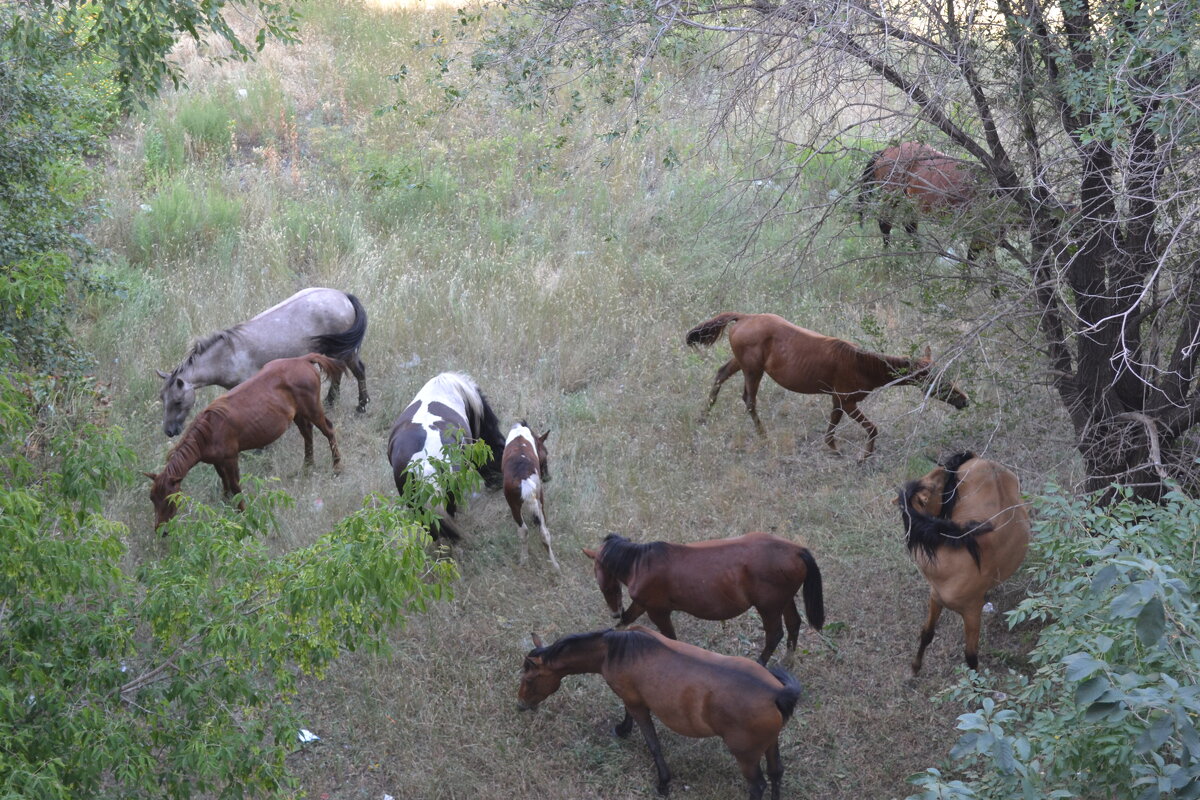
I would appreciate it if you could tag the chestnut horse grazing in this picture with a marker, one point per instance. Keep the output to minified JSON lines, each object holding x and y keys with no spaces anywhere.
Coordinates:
{"x":329,"y":321}
{"x":693,"y":692}
{"x":914,"y":179}
{"x":526,"y":470}
{"x":967,"y":530}
{"x":251,"y":415}
{"x":716,"y":579}
{"x":803,"y":361}
{"x":448,"y":411}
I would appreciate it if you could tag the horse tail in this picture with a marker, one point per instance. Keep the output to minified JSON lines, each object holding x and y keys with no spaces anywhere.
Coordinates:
{"x":707,"y":333}
{"x":789,"y":694}
{"x":866,"y":186}
{"x":331,"y":368}
{"x":814,"y":595}
{"x":347,"y":343}
{"x":488,"y":428}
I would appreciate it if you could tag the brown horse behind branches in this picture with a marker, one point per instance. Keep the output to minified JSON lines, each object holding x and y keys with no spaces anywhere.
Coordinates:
{"x":967,"y":530}
{"x":914,"y":180}
{"x":717,"y":579}
{"x":251,"y":415}
{"x":693,"y":692}
{"x":803,"y":361}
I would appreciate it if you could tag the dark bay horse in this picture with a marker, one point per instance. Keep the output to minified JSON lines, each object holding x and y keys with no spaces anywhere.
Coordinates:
{"x":803,"y":361}
{"x":913,"y":180}
{"x":526,"y":469}
{"x":693,"y":692}
{"x":449,"y":410}
{"x":967,"y":530}
{"x":327,"y":321}
{"x":717,"y":579}
{"x":251,"y":415}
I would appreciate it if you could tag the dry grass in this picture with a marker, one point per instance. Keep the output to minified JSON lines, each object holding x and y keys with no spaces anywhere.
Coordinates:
{"x":564,"y":286}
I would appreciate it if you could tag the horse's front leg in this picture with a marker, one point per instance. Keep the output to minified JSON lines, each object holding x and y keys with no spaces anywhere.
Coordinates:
{"x":835,"y":417}
{"x":662,"y":621}
{"x":935,"y":611}
{"x":641,"y":715}
{"x":631,"y":613}
{"x":231,"y":482}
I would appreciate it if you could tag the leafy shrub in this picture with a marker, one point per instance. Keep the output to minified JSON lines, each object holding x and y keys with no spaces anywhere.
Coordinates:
{"x":1112,"y":706}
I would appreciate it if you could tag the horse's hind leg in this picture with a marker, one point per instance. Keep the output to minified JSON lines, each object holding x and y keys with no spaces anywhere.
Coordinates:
{"x":791,"y":617}
{"x":661,"y":620}
{"x":935,"y":611}
{"x":774,"y":768}
{"x":750,"y":763}
{"x":305,"y":427}
{"x":727,"y":371}
{"x":773,"y":628}
{"x":750,"y":398}
{"x":359,"y":370}
{"x":326,"y":427}
{"x":540,"y":515}
{"x":335,"y":389}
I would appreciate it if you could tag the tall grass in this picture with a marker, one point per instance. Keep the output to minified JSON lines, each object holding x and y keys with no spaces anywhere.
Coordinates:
{"x":562,"y":274}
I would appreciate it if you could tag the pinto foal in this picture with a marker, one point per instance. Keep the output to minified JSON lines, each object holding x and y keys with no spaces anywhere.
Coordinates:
{"x":526,"y":470}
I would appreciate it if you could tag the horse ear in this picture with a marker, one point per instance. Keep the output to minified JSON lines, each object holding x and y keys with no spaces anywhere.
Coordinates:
{"x":150,"y":475}
{"x":537,"y":640}
{"x":163,"y":375}
{"x":590,"y":553}
{"x":542,"y":438}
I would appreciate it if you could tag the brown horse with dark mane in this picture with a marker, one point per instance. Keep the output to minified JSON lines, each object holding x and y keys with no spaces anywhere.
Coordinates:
{"x":251,"y":415}
{"x":693,"y":692}
{"x":807,"y":362}
{"x":914,"y":180}
{"x":717,"y":579}
{"x":967,"y":529}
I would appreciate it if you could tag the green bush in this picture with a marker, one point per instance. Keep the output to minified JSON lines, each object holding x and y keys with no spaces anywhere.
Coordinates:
{"x":1111,"y":708}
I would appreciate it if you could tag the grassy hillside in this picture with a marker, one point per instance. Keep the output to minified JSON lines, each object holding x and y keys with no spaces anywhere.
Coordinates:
{"x":560,"y":267}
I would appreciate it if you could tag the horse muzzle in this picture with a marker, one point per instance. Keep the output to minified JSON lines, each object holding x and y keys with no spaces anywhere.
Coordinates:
{"x":523,"y":706}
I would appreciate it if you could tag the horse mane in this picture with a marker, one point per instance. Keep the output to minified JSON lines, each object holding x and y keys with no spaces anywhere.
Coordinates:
{"x":950,"y":488}
{"x":553,"y":651}
{"x":929,"y":533}
{"x":618,"y":556}
{"x":626,"y":646}
{"x":203,"y":344}
{"x":893,"y":366}
{"x":187,"y":450}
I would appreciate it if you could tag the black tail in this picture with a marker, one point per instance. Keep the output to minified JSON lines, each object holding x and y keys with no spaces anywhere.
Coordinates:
{"x":789,"y":695}
{"x":345,"y":344}
{"x":866,"y":186}
{"x":708,"y":332}
{"x":487,"y":427}
{"x":814,"y":596}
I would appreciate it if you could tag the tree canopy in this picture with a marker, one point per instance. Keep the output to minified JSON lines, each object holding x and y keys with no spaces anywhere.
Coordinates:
{"x":1078,"y":119}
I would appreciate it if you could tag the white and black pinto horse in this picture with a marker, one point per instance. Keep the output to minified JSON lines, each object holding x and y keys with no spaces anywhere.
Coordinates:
{"x":526,"y":469}
{"x":327,"y":321}
{"x":447,"y":411}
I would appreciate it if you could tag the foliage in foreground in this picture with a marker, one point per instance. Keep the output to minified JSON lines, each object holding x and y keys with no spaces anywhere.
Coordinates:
{"x":1112,"y":706}
{"x":174,"y":678}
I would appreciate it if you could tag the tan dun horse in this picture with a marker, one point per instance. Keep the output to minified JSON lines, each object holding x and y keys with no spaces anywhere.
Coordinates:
{"x":693,"y":692}
{"x":326,"y":321}
{"x":251,"y":415}
{"x":803,"y":361}
{"x":967,"y":529}
{"x":717,"y":579}
{"x":526,"y":469}
{"x":912,"y":180}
